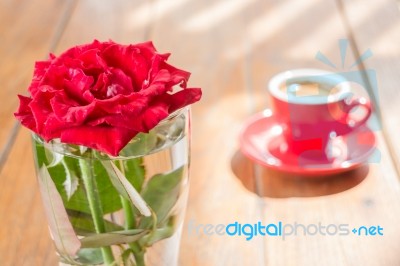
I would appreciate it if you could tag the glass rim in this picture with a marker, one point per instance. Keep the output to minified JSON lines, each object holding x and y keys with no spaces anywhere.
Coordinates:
{"x":68,"y":148}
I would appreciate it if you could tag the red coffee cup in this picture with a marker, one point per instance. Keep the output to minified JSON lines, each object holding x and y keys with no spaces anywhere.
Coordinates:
{"x":314,"y":106}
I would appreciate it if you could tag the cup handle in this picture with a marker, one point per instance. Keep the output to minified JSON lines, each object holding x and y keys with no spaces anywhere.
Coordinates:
{"x":357,"y":102}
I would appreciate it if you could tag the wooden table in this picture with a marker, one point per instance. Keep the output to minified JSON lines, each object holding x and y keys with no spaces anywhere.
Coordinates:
{"x":232,"y":47}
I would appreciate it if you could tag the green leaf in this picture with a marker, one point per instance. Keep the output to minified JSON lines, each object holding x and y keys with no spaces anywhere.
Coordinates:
{"x":125,"y":188}
{"x":71,"y":180}
{"x":53,"y":157}
{"x":141,"y":144}
{"x":90,"y":256}
{"x":127,"y":258}
{"x":134,"y":171}
{"x":161,"y":194}
{"x":39,"y":153}
{"x":109,"y":197}
{"x":63,"y":234}
{"x":113,"y":238}
{"x":83,"y":223}
{"x":159,"y":234}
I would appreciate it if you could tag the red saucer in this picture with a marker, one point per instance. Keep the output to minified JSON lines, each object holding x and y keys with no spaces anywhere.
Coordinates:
{"x":261,"y":140}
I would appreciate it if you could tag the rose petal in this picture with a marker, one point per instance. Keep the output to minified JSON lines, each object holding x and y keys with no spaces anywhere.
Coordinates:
{"x":78,"y":86}
{"x":178,"y":76}
{"x":131,"y":60}
{"x":113,"y":82}
{"x":41,"y":107}
{"x":153,"y":115}
{"x":120,"y":104}
{"x":55,"y":77}
{"x":106,"y":139}
{"x":24,"y":113}
{"x":122,"y":81}
{"x":158,"y":85}
{"x":97,"y":89}
{"x":182,"y":98}
{"x":40,"y":70}
{"x":77,"y":51}
{"x":53,"y":128}
{"x":101,"y":94}
{"x":69,"y":111}
{"x":92,"y":61}
{"x":142,"y":122}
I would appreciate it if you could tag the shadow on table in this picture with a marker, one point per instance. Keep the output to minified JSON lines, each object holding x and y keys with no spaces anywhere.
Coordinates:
{"x":267,"y":182}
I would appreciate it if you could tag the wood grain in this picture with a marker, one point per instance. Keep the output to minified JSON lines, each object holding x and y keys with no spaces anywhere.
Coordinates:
{"x":271,"y":183}
{"x":216,"y":195}
{"x":103,"y":21}
{"x":371,"y":32}
{"x":349,"y":196}
{"x":233,"y":48}
{"x":31,"y":243}
{"x":26,"y":36}
{"x":24,"y":235}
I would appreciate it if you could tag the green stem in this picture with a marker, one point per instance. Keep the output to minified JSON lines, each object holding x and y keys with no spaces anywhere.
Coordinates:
{"x":138,"y":253}
{"x":137,"y":249}
{"x":95,"y":207}
{"x":152,"y":232}
{"x":128,"y":213}
{"x":127,"y":207}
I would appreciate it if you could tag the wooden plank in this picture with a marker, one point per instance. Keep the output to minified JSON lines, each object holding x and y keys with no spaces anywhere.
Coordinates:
{"x":104,"y":21}
{"x":269,"y":51}
{"x":266,"y":46}
{"x":24,"y":238}
{"x":194,"y":56}
{"x":376,"y":26}
{"x":232,"y":48}
{"x":360,"y":200}
{"x":26,"y":36}
{"x":24,"y":235}
{"x":364,"y":204}
{"x":198,"y":34}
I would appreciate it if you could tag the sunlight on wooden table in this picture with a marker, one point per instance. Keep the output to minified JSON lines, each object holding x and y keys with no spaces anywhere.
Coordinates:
{"x":232,"y":49}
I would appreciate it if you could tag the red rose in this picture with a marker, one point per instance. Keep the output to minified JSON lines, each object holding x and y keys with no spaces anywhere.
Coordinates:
{"x":102,"y":94}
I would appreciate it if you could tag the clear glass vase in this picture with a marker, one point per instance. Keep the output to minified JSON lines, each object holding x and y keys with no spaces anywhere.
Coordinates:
{"x":125,"y":210}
